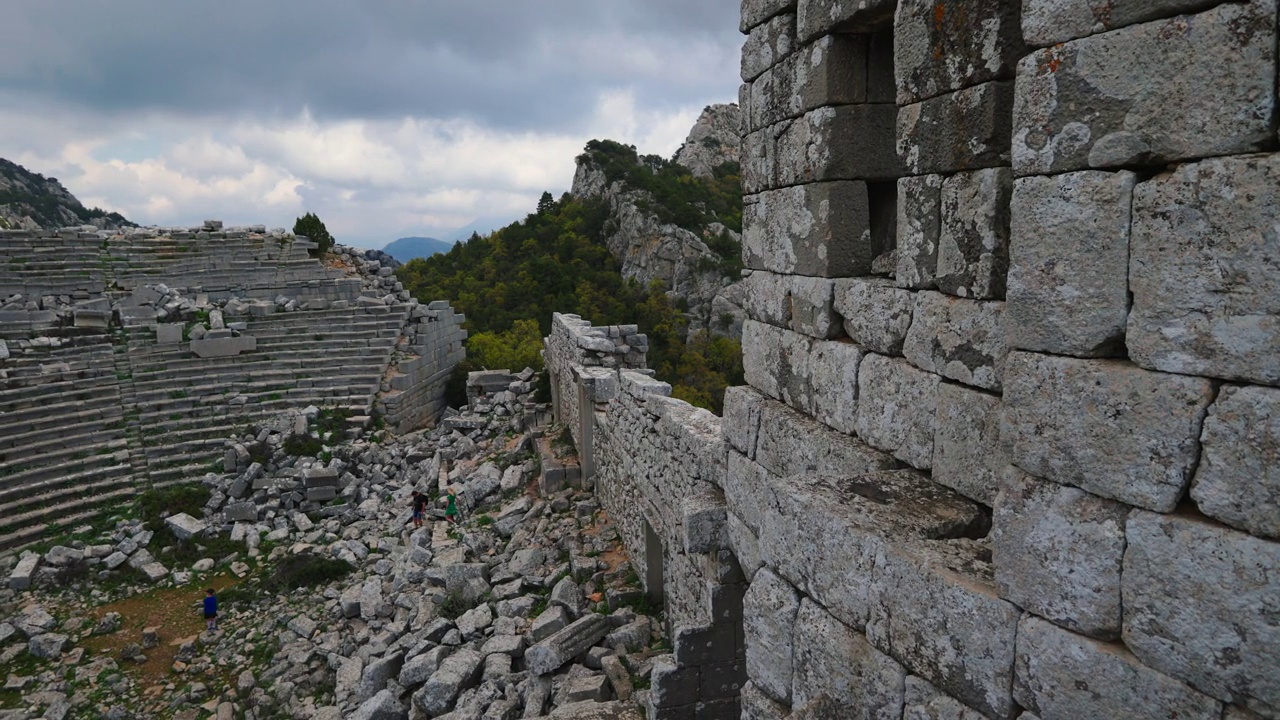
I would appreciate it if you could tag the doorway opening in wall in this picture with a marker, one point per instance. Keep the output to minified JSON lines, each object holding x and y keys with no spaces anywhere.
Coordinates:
{"x":653,"y":562}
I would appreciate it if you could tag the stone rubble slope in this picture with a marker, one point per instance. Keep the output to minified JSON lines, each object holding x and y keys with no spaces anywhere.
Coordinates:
{"x":513,"y":614}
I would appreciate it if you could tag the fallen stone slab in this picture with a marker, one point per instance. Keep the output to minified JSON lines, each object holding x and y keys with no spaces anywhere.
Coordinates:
{"x":550,"y":654}
{"x":20,"y":578}
{"x":458,"y":672}
{"x":185,"y":527}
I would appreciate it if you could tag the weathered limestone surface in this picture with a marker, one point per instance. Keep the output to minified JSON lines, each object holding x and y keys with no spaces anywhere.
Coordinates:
{"x":769,"y":617}
{"x":819,"y":17}
{"x":820,"y":230}
{"x":1064,"y":676}
{"x":1105,"y":101}
{"x":964,"y":130}
{"x":1105,"y":426}
{"x":755,"y":12}
{"x":832,"y":659}
{"x":767,"y":45}
{"x":941,"y":47}
{"x":1238,"y":478}
{"x":897,"y":409}
{"x":1068,"y":285}
{"x":919,"y":225}
{"x":958,"y":339}
{"x":923,"y":701}
{"x":1200,"y":604}
{"x":790,"y":442}
{"x":1205,"y":270}
{"x":1058,"y":552}
{"x":1047,"y":22}
{"x":847,"y":142}
{"x":969,"y":455}
{"x":876,"y":314}
{"x":973,"y":240}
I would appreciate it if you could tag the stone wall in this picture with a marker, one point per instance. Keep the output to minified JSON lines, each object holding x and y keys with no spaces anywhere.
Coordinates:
{"x":1013,"y":350}
{"x":413,"y":395}
{"x":657,"y":465}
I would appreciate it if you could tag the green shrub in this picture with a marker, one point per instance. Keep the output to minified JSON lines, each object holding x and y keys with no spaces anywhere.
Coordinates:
{"x":453,"y":606}
{"x":303,"y":445}
{"x":306,"y":570}
{"x":311,"y":227}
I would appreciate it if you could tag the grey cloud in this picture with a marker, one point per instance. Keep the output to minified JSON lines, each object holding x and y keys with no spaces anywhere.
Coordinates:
{"x":532,"y":64}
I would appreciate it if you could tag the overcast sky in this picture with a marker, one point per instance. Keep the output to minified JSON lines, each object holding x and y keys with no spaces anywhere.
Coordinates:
{"x":386,"y":118}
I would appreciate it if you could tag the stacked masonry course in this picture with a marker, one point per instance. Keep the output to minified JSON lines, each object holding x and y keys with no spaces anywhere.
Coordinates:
{"x":1010,"y":443}
{"x":657,"y":466}
{"x":106,"y":385}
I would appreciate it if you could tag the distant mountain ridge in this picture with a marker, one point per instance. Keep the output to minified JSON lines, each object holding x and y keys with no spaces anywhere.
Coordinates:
{"x":31,"y":201}
{"x":408,"y":248}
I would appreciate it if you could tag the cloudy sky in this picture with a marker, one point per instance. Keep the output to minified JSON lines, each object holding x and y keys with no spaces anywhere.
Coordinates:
{"x":387,"y":117}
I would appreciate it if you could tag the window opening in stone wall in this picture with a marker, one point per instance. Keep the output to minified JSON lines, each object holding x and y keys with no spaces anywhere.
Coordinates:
{"x":882,"y":191}
{"x":653,"y":561}
{"x":882,"y":208}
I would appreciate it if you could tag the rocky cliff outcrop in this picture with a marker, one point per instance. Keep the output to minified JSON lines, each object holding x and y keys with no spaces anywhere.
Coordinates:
{"x":30,"y":201}
{"x":682,"y":259}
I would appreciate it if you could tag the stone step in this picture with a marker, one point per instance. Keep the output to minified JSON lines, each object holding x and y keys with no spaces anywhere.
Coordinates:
{"x":64,"y":391}
{"x":32,"y":505}
{"x":15,"y":437}
{"x":56,"y":465}
{"x":31,"y":533}
{"x":38,"y":414}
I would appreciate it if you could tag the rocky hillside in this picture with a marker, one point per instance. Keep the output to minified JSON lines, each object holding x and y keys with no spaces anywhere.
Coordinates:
{"x":31,"y":201}
{"x":657,"y":234}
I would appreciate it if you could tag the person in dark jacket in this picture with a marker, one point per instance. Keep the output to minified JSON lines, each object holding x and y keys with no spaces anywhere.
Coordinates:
{"x":210,"y":610}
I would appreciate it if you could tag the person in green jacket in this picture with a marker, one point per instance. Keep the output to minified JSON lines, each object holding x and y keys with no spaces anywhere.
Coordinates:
{"x":451,"y":510}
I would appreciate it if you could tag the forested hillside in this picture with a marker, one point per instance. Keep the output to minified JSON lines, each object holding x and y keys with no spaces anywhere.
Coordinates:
{"x":509,"y":283}
{"x":29,"y":201}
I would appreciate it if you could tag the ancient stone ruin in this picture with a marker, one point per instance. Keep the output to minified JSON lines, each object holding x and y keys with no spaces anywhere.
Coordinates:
{"x":128,"y":357}
{"x":1008,"y":447}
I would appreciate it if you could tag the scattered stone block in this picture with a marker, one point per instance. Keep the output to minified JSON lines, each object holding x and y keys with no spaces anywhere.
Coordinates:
{"x":169,"y":333}
{"x":1057,"y":552}
{"x":1063,"y":676}
{"x":1105,"y":426}
{"x":48,"y":646}
{"x":1069,"y":263}
{"x":185,"y":527}
{"x":1205,"y":282}
{"x":1198,"y":605}
{"x":1238,"y":478}
{"x":1104,"y":101}
{"x":22,"y":574}
{"x":550,"y":654}
{"x":460,"y":671}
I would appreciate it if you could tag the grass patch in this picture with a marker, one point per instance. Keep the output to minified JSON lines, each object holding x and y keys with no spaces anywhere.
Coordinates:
{"x":157,"y":503}
{"x":303,"y":445}
{"x":453,"y":606}
{"x":305,"y":570}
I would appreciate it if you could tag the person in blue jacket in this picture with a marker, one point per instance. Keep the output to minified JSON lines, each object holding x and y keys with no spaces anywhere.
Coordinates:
{"x":210,"y":610}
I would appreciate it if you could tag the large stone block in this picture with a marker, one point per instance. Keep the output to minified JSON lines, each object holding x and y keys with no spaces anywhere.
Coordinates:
{"x":755,"y":12}
{"x":876,"y":314}
{"x":767,"y":45}
{"x":803,"y":304}
{"x":1048,"y":22}
{"x":834,"y":368}
{"x":942,"y":47}
{"x":969,"y":455}
{"x":832,"y":658}
{"x":822,"y":17}
{"x":1105,"y":101}
{"x":897,"y":408}
{"x":1200,"y":604}
{"x":832,"y":70}
{"x":791,"y":442}
{"x":1057,"y":552}
{"x":923,"y":701}
{"x":964,"y":130}
{"x":1068,"y":288}
{"x":776,"y":362}
{"x":918,"y":227}
{"x":1105,"y":426}
{"x":758,"y":706}
{"x":950,"y":629}
{"x":973,"y":239}
{"x":821,"y":230}
{"x":958,"y":339}
{"x":741,"y":424}
{"x":769,"y":617}
{"x":1064,"y":676}
{"x":1205,"y":270}
{"x":1238,"y":479}
{"x":846,"y":142}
